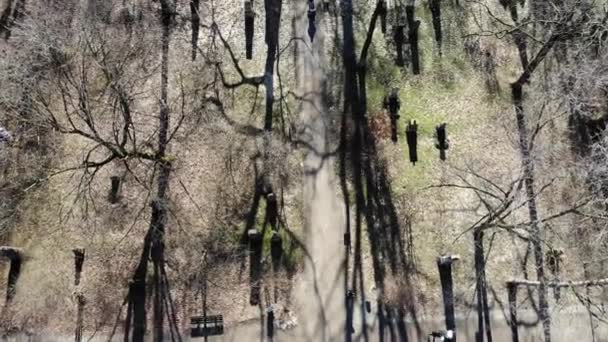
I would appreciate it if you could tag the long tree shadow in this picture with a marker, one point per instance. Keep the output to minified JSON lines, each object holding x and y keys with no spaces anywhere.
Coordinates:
{"x":391,"y":251}
{"x":252,"y":239}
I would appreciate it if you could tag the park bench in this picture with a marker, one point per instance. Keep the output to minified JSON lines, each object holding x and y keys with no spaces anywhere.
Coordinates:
{"x":201,"y":326}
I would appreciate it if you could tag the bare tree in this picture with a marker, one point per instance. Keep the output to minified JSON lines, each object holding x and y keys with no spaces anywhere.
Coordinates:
{"x":559,"y":26}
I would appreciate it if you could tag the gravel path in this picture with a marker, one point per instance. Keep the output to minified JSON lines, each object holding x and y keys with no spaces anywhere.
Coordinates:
{"x":319,"y":297}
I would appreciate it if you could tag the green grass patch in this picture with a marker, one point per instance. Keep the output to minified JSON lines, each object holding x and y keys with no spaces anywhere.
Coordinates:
{"x":292,"y":255}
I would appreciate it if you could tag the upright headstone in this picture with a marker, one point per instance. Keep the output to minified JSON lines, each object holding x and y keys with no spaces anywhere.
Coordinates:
{"x":393,"y":104}
{"x":411,"y":134}
{"x":114,"y":196}
{"x":442,"y":140}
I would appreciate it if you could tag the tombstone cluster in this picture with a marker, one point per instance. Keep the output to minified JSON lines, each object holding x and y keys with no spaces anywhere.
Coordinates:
{"x":392,"y":104}
{"x":404,"y":30}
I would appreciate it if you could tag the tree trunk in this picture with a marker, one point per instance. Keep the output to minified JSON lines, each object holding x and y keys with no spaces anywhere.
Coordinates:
{"x":154,"y":240}
{"x":522,"y":47}
{"x":164,"y":169}
{"x":483,"y":311}
{"x":15,"y":255}
{"x":477,"y":237}
{"x":12,"y":13}
{"x":512,"y":293}
{"x":137,"y":287}
{"x":249,"y":28}
{"x":588,"y":304}
{"x":412,"y":27}
{"x":5,"y":19}
{"x":80,"y":301}
{"x":273,"y":22}
{"x":435,"y":7}
{"x":196,"y":22}
{"x":127,"y":329}
{"x":528,"y":169}
{"x":536,"y":234}
{"x":486,"y":307}
{"x":445,"y":273}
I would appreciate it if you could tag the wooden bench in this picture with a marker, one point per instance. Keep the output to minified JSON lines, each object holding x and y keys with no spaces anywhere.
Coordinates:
{"x":201,"y":326}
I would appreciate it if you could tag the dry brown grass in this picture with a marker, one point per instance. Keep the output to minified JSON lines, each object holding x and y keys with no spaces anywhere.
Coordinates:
{"x":212,"y":187}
